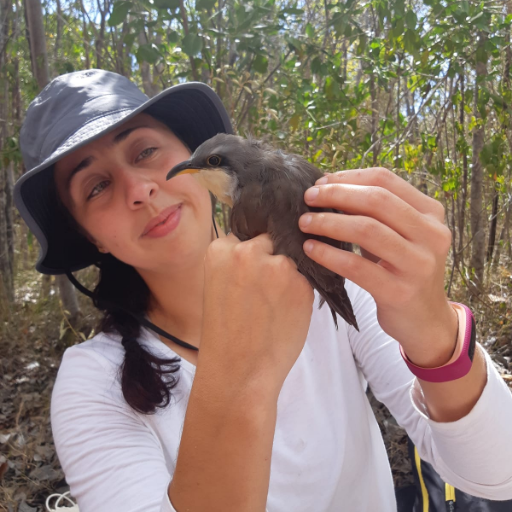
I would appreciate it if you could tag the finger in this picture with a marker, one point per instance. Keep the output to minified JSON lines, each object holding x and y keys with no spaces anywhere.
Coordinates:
{"x":375,"y":279}
{"x":381,"y":204}
{"x":366,"y":232}
{"x":262,"y":243}
{"x":381,"y":177}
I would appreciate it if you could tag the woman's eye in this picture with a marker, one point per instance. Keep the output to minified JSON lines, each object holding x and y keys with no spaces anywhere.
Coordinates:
{"x":145,"y":154}
{"x":97,"y":189}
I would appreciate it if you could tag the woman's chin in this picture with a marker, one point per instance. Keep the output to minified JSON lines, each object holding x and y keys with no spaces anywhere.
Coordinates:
{"x":182,"y":247}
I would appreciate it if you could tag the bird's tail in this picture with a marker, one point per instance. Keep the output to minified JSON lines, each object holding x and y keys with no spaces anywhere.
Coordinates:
{"x":339,"y":304}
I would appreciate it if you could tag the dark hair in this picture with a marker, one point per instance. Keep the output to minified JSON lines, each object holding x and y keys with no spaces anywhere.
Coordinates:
{"x":144,"y":376}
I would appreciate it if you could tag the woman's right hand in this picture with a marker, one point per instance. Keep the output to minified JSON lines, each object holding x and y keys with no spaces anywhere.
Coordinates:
{"x":256,"y":314}
{"x":257,"y":311}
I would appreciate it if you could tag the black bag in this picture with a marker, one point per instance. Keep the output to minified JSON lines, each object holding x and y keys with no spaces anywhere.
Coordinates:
{"x":432,"y":494}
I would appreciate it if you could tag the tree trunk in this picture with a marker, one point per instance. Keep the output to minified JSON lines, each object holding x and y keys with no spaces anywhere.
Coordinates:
{"x":68,"y":297}
{"x":375,"y":119}
{"x":34,"y":14}
{"x":59,"y":32}
{"x":464,"y":194}
{"x":501,"y":242}
{"x":158,"y":69}
{"x":87,"y":44}
{"x":99,"y":40}
{"x":16,"y":114}
{"x":145,"y":69}
{"x":6,"y":228}
{"x":494,"y":223}
{"x":477,"y":179}
{"x":184,"y":20}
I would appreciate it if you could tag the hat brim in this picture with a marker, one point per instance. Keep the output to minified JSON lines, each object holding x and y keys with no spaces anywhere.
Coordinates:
{"x":192,"y":110}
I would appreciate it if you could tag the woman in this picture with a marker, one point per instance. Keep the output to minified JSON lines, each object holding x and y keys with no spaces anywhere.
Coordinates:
{"x":270,"y":412}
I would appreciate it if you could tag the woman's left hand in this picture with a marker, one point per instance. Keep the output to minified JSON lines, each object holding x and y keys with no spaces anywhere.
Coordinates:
{"x":404,"y":244}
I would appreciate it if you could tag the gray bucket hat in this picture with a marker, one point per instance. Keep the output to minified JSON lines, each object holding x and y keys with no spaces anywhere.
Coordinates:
{"x":75,"y":109}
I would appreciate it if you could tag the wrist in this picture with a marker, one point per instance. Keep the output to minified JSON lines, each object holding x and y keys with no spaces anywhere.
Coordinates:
{"x":439,"y":345}
{"x":462,"y":358}
{"x":232,"y":383}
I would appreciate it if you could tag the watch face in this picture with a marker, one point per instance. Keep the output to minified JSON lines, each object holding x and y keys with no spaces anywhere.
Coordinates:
{"x":472,"y":343}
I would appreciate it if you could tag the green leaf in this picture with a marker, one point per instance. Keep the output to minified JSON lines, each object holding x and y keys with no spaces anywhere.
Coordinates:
{"x":411,"y":19}
{"x":410,"y":42}
{"x":294,"y":121}
{"x":129,"y":39}
{"x":481,"y":54}
{"x":310,"y":31}
{"x":293,"y":10}
{"x":204,"y":4}
{"x":479,"y":15}
{"x":148,"y":53}
{"x":331,"y":88}
{"x":398,"y":30}
{"x":260,"y":64}
{"x":119,"y":13}
{"x":167,"y":4}
{"x":316,"y":66}
{"x":173,"y":37}
{"x":399,"y":7}
{"x":191,"y":44}
{"x":361,"y":47}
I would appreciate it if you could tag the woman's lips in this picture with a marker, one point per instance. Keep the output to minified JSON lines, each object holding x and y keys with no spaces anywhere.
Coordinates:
{"x":171,"y":218}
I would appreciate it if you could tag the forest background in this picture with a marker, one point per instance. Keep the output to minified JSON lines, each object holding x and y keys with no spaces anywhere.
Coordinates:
{"x":423,"y":88}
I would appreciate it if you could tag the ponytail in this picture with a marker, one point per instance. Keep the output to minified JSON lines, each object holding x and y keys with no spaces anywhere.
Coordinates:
{"x":146,"y":380}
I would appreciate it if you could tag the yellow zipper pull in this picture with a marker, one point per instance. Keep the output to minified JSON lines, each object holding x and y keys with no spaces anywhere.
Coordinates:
{"x":449,"y":493}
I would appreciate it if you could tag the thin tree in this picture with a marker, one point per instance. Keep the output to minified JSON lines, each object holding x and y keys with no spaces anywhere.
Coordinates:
{"x":477,"y":172}
{"x":34,"y":14}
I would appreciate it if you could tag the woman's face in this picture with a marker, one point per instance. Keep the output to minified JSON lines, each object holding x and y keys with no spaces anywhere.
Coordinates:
{"x":116,"y":185}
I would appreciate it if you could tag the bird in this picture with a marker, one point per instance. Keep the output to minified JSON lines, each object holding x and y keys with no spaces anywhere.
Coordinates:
{"x":265,"y":189}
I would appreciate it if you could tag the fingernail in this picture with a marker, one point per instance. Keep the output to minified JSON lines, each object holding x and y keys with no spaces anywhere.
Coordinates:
{"x":305,"y":220}
{"x":308,"y":246}
{"x":321,"y":181}
{"x":311,"y":193}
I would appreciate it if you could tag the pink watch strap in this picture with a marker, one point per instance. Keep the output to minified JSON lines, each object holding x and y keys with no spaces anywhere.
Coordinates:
{"x":462,"y":359}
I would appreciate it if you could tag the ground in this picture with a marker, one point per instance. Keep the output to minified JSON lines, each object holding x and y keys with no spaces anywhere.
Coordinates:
{"x":35,"y":334}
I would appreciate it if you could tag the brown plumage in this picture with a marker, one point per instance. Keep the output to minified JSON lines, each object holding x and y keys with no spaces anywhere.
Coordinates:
{"x":265,"y":189}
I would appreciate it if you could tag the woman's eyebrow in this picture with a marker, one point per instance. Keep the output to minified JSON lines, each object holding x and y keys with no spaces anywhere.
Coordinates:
{"x":88,"y":161}
{"x":82,"y":165}
{"x":121,"y":136}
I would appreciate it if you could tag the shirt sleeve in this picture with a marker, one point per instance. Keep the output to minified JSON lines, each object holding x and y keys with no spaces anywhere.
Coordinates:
{"x":110,"y":457}
{"x":473,"y":453}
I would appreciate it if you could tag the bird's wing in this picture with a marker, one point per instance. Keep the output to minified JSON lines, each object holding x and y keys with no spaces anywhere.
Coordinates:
{"x":248,"y":218}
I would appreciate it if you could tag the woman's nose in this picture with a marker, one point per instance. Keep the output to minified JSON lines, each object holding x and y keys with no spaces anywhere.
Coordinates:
{"x":140,"y":189}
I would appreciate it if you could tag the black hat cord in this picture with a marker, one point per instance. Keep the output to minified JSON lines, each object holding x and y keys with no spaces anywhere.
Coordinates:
{"x":142,"y":320}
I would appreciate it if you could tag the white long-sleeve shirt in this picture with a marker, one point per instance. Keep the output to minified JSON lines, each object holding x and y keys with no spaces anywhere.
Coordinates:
{"x":328,"y":454}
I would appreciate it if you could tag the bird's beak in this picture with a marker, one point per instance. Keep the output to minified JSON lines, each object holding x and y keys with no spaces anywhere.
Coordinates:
{"x":183,"y":168}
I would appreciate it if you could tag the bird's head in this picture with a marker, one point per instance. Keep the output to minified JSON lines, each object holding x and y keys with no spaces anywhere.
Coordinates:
{"x":219,"y":165}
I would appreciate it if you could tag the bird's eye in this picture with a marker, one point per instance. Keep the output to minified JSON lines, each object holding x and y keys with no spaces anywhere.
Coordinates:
{"x":213,"y":160}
